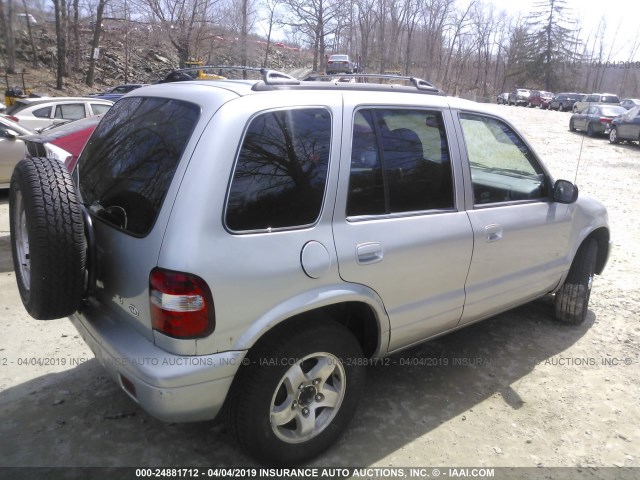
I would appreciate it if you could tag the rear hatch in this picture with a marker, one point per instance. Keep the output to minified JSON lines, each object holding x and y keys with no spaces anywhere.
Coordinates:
{"x":125,"y":177}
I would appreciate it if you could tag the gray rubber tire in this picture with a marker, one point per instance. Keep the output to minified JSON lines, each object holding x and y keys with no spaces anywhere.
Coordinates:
{"x":47,"y":238}
{"x":590,"y":132}
{"x":572,"y":300}
{"x":571,"y":126}
{"x":265,"y":408}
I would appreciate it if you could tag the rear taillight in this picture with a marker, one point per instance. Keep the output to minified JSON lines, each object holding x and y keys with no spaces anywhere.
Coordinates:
{"x":11,"y":117}
{"x":181,"y":304}
{"x":605,"y":120}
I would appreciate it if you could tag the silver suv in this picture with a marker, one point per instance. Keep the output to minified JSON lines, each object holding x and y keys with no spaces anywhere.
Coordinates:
{"x":249,"y":247}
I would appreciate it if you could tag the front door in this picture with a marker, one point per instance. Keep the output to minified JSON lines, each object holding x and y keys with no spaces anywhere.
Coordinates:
{"x":520,"y":235}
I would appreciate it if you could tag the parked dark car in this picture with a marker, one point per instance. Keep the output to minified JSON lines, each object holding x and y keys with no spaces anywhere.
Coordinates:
{"x":626,"y":127}
{"x":519,"y":96}
{"x":564,"y":101}
{"x":540,"y":98}
{"x":117,"y":92}
{"x":62,"y":142}
{"x":629,"y":103}
{"x":595,"y":119}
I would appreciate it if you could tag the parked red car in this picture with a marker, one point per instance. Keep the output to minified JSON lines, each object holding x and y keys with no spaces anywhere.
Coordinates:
{"x":64,"y":142}
{"x":540,"y":98}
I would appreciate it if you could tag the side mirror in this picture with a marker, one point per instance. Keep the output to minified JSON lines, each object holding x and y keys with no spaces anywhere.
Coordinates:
{"x":565,"y":192}
{"x":8,"y":133}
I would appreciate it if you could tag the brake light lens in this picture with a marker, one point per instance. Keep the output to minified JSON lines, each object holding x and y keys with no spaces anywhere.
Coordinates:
{"x":181,"y":304}
{"x":605,"y":120}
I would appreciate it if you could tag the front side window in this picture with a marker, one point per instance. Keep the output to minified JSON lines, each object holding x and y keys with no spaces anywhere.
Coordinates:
{"x":503,"y":168}
{"x":281,"y":171}
{"x":128,"y":163}
{"x":399,"y":162}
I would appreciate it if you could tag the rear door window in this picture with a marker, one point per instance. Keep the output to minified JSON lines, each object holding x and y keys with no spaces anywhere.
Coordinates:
{"x":281,"y":171}
{"x":399,"y":163}
{"x":127,"y":166}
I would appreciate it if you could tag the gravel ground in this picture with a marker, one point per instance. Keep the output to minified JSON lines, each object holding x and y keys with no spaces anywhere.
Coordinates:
{"x":516,"y":390}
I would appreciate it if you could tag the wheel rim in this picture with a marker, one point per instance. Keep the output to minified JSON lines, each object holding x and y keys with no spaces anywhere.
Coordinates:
{"x":308,"y":397}
{"x":22,"y":240}
{"x":613,"y":135}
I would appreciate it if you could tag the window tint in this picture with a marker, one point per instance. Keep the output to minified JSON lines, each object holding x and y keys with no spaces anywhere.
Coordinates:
{"x":129,"y":161}
{"x":399,"y":162}
{"x":72,"y":111}
{"x":281,"y":171}
{"x":42,"y":112}
{"x":503,"y":169}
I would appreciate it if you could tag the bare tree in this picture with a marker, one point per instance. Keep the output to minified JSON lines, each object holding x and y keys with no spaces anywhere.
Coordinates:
{"x":34,"y":55}
{"x":8,"y":36}
{"x":60,"y":7}
{"x":95,"y":44}
{"x":317,"y":19}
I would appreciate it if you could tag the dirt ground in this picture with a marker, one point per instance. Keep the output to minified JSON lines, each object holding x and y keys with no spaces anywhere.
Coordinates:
{"x":516,"y":390}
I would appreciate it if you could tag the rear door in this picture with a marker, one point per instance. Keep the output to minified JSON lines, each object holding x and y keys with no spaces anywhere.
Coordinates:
{"x":398,"y":229}
{"x":520,"y":236}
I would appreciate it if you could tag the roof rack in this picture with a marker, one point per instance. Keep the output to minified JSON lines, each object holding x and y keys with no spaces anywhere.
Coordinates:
{"x":273,"y":79}
{"x":418,"y":83}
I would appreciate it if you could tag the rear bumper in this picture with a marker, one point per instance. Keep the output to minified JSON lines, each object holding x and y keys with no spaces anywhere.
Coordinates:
{"x":172,"y":388}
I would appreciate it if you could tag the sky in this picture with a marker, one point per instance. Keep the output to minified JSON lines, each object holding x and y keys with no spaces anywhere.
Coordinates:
{"x":620,"y":15}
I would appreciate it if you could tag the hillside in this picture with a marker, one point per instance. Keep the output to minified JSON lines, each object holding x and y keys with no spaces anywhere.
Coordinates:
{"x":135,"y":56}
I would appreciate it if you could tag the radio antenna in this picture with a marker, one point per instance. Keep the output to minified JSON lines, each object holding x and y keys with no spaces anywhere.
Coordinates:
{"x":575,"y":178}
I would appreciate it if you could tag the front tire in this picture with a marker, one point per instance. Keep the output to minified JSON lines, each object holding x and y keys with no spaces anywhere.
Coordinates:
{"x":572,"y":126}
{"x":572,"y":300}
{"x":298,"y":392}
{"x":47,"y":238}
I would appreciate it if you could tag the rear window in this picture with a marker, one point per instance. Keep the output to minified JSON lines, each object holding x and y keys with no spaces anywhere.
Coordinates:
{"x":127,"y":165}
{"x":610,"y":99}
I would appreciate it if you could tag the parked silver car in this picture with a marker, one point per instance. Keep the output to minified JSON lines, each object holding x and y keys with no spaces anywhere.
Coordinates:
{"x":11,"y":148}
{"x":251,"y":246}
{"x":39,"y":113}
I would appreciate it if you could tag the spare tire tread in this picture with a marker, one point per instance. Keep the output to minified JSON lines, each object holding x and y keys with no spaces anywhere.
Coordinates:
{"x":57,"y":246}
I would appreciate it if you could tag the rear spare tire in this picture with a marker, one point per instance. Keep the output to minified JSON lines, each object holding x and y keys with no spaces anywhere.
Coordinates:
{"x":47,"y":238}
{"x":572,"y":300}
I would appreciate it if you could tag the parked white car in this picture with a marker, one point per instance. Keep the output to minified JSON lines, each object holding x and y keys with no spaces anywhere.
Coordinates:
{"x":38,"y":113}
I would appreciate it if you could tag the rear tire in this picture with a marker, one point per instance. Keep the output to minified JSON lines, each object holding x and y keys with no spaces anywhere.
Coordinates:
{"x":572,"y":300}
{"x":294,"y":396}
{"x":590,"y":132}
{"x":613,"y":135}
{"x":47,"y":238}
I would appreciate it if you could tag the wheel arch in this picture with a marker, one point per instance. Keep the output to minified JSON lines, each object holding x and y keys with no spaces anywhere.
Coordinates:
{"x":356,"y":307}
{"x":602,"y":237}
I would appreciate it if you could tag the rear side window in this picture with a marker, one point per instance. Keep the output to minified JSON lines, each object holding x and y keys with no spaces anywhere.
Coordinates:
{"x":281,"y":171}
{"x":42,"y":112}
{"x":127,"y":165}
